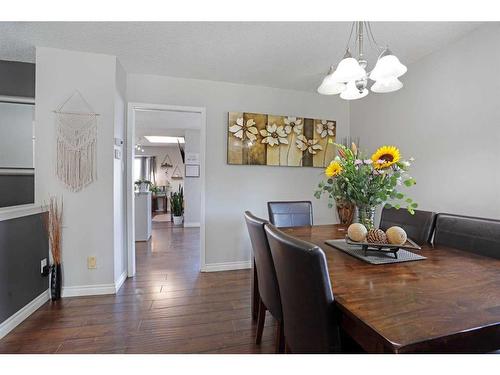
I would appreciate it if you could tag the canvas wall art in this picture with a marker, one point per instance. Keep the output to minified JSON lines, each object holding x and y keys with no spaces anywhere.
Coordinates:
{"x":260,"y":139}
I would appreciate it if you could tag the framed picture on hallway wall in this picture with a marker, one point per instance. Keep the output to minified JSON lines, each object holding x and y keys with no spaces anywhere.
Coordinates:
{"x":275,"y":140}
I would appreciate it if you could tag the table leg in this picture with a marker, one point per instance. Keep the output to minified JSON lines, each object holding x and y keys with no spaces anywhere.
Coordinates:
{"x":255,"y":292}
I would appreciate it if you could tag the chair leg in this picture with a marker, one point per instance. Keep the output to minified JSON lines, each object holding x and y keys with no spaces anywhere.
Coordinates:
{"x":260,"y":322}
{"x":280,"y":338}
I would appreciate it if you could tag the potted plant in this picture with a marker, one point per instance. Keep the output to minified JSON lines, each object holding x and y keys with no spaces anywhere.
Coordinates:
{"x":155,"y":189}
{"x":367,"y":182}
{"x":142,"y":185}
{"x":177,"y":206}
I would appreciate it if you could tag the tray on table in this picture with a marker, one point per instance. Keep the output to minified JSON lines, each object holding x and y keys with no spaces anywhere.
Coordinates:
{"x":385,"y":248}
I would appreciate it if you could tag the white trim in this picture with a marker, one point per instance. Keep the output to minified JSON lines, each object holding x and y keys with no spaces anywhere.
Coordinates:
{"x":132,"y":107}
{"x":191,"y":225}
{"x":88,"y":290}
{"x":120,"y":281}
{"x":130,"y":201}
{"x":13,"y":321}
{"x":228,"y":266}
{"x":20,"y":211}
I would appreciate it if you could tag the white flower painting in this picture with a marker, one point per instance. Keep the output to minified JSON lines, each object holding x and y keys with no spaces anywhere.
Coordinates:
{"x":311,"y":145}
{"x":244,"y":130}
{"x":274,"y":135}
{"x":293,"y":124}
{"x":277,"y":140}
{"x":325,"y":128}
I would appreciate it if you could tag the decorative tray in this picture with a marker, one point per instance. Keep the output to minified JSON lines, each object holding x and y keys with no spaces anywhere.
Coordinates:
{"x":386,"y":248}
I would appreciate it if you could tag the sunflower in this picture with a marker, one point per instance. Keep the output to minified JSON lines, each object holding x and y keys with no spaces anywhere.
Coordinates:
{"x":333,"y":169}
{"x":385,"y":156}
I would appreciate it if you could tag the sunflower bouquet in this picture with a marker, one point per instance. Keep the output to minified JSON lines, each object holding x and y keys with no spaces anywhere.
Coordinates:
{"x":367,"y":182}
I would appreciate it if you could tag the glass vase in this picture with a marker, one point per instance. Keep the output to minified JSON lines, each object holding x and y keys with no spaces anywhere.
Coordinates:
{"x":366,"y":215}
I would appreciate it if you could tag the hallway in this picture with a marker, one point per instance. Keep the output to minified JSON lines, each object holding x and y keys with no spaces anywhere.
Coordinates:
{"x":168,"y":307}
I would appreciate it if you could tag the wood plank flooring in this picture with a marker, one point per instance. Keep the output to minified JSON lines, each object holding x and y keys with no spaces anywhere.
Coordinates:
{"x":168,"y":307}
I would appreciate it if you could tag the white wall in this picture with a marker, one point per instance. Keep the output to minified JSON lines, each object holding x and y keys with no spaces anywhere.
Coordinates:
{"x":88,"y":214}
{"x":232,"y":189}
{"x":119,"y":183}
{"x":192,"y":185}
{"x":448,"y":117}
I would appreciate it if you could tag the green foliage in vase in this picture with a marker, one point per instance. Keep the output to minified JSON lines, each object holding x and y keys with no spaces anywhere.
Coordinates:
{"x":142,"y":181}
{"x":154,"y":188}
{"x":368,"y":182}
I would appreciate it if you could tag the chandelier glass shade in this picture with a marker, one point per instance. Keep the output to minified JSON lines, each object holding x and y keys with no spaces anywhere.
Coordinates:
{"x":383,"y":86}
{"x":352,"y":92}
{"x":329,"y":86}
{"x":388,"y":66}
{"x":348,"y":70}
{"x":351,"y":78}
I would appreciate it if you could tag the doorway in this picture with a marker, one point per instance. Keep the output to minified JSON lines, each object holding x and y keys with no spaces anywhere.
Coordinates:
{"x":168,"y":148}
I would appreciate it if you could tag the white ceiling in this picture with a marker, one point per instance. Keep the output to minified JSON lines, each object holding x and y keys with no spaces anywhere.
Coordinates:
{"x":164,"y":123}
{"x":291,"y":55}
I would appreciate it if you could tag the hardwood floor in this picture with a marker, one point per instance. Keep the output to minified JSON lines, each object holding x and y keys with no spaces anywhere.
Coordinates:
{"x":169,"y":307}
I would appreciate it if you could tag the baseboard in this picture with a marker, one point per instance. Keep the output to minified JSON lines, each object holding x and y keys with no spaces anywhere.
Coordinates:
{"x":191,"y":225}
{"x":120,"y":281}
{"x":229,"y":266}
{"x":88,"y":290}
{"x":16,"y":319}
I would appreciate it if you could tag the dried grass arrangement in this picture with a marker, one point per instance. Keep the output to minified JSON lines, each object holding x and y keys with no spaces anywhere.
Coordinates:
{"x":53,"y":226}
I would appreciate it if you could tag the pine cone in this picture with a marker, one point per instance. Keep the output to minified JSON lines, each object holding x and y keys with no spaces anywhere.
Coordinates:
{"x":376,"y":236}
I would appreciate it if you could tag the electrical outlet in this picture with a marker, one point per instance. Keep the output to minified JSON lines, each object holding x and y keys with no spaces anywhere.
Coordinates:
{"x":43,"y":265}
{"x":91,"y":263}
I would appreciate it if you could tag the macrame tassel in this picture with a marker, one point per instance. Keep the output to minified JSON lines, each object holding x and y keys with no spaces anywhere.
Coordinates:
{"x":76,"y":149}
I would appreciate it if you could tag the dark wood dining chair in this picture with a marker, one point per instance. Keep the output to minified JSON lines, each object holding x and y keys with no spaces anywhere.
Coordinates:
{"x":290,"y":213}
{"x":266,"y":279}
{"x":309,"y":312}
{"x":419,"y":227}
{"x":473,"y":234}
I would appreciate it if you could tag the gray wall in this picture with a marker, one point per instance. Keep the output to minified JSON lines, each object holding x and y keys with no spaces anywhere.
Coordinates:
{"x":17,"y":79}
{"x":88,"y":214}
{"x":23,"y":244}
{"x":448,"y":117}
{"x":16,"y":189}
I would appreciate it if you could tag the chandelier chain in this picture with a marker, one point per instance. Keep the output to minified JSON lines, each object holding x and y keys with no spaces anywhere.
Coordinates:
{"x":350,"y":37}
{"x":370,"y":33}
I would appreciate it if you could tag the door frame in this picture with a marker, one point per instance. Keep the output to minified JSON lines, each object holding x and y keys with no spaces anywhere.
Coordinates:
{"x":130,"y":141}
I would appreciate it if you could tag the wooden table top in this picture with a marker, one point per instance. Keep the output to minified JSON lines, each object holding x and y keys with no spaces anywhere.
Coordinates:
{"x":449,"y":302}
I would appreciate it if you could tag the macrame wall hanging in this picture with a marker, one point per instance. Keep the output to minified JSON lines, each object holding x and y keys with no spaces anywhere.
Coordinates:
{"x":166,"y":163}
{"x":76,"y":127}
{"x":176,"y":174}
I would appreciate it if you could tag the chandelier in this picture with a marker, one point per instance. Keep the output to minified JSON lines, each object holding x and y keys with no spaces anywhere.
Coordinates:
{"x":351,"y":77}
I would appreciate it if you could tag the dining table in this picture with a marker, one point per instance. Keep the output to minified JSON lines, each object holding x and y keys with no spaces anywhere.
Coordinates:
{"x":446,"y":303}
